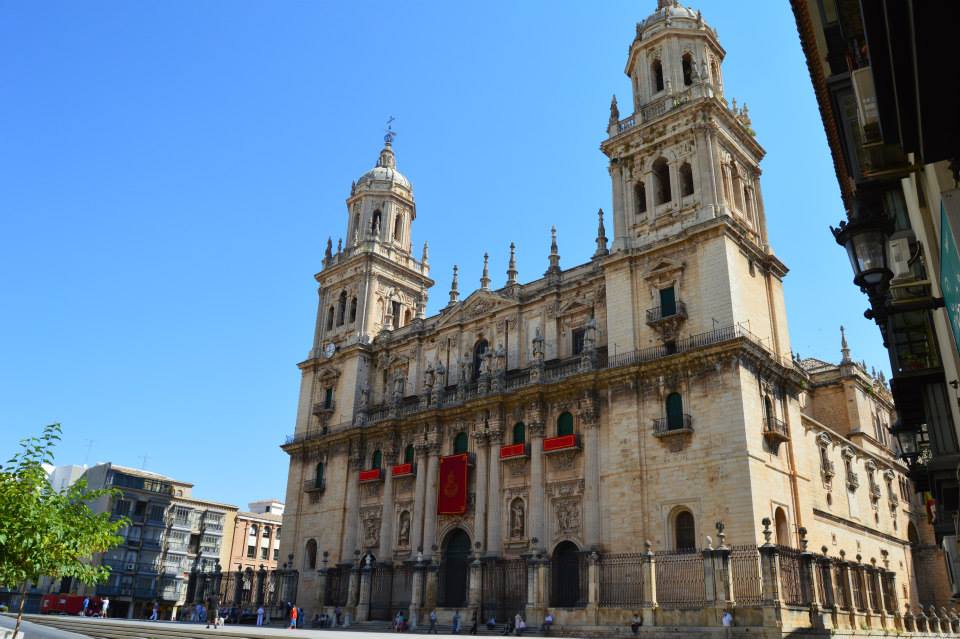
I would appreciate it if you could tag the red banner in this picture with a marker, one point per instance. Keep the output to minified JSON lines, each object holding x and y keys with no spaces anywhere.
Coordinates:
{"x":452,"y":492}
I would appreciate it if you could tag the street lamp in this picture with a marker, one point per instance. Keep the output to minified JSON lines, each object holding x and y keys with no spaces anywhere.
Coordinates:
{"x":865,"y":238}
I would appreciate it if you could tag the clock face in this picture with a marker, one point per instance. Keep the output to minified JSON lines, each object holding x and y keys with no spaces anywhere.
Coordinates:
{"x":329,"y":349}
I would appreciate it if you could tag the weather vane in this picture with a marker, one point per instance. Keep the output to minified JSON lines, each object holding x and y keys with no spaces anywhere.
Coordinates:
{"x":390,"y":134}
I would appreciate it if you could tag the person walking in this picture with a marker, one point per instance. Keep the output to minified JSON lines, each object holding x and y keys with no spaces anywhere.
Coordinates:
{"x":293,"y":618}
{"x":104,"y":607}
{"x":456,"y":622}
{"x":300,"y":617}
{"x":86,"y":604}
{"x":337,"y":614}
{"x":433,"y":622}
{"x":155,"y":613}
{"x":474,"y":622}
{"x":260,"y":616}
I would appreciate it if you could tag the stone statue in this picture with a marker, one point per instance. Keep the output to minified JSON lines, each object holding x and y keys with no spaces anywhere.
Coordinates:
{"x":403,"y":538}
{"x":364,"y":394}
{"x":397,"y":386}
{"x":501,"y":355}
{"x":590,"y":335}
{"x":439,"y":371}
{"x":464,"y":368}
{"x":538,"y":345}
{"x":428,"y":378}
{"x":517,"y":516}
{"x":485,"y":363}
{"x":371,"y":529}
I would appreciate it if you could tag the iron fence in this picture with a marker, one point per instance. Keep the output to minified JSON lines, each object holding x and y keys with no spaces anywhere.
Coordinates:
{"x":745,"y":570}
{"x":680,"y":582}
{"x":843,"y":586}
{"x":857,"y":586}
{"x":337,"y":586}
{"x":793,"y":578}
{"x":504,"y":589}
{"x":889,"y":580}
{"x":381,"y":592}
{"x":621,"y":580}
{"x":825,"y":583}
{"x":569,"y":576}
{"x":873,"y":589}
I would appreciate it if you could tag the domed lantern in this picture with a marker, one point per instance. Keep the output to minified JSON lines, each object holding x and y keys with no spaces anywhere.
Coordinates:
{"x":865,"y":236}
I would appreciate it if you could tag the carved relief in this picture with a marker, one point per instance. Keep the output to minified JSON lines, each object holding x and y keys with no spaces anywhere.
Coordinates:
{"x":563,"y":461}
{"x":370,"y":524}
{"x":403,"y":529}
{"x":567,"y":512}
{"x":518,"y":518}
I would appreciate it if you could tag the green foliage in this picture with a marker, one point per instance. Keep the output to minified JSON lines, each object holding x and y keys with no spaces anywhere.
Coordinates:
{"x":46,"y":533}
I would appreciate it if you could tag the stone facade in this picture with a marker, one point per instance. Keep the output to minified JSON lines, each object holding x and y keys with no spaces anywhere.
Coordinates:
{"x":667,"y":357}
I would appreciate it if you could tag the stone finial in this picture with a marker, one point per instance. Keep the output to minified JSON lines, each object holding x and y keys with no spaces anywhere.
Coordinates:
{"x":601,"y":237}
{"x":512,"y":266}
{"x":454,"y":287}
{"x":885,"y":557}
{"x":425,"y":258}
{"x":720,"y":526}
{"x":844,"y":347}
{"x":485,"y":276}
{"x":648,"y":546}
{"x":329,"y":252}
{"x":614,"y":112}
{"x":734,"y":107}
{"x":709,"y":542}
{"x":767,"y":533}
{"x":422,"y":303}
{"x":339,"y":245}
{"x":803,"y":538}
{"x":554,"y":268}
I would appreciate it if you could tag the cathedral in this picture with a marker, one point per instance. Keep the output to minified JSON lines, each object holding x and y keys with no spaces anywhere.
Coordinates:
{"x":562,"y":444}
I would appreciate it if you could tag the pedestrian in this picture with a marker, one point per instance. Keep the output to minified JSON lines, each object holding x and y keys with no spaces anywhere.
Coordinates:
{"x":547,"y":623}
{"x":456,"y":622}
{"x":300,"y":617}
{"x":104,"y":607}
{"x":260,"y":616}
{"x":636,"y":623}
{"x":473,"y":623}
{"x":491,"y":623}
{"x":337,"y":613}
{"x":727,"y":621}
{"x":293,"y":618}
{"x":521,"y":625}
{"x":154,"y":614}
{"x":86,"y":604}
{"x":433,"y":622}
{"x":508,"y":627}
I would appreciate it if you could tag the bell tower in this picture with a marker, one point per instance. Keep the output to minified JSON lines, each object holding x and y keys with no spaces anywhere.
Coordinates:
{"x":683,"y":155}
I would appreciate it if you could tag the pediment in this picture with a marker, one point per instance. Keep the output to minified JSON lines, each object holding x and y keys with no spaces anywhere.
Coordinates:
{"x":573,"y":307}
{"x":477,"y":304}
{"x":664,"y":271}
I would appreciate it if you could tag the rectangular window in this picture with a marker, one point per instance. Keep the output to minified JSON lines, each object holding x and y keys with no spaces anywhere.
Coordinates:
{"x":122,"y":507}
{"x":578,"y":334}
{"x":276,"y":535}
{"x":328,"y":398}
{"x":251,"y":552}
{"x":395,"y":306}
{"x":668,"y":302}
{"x":276,"y":554}
{"x":264,"y":553}
{"x":156,"y":513}
{"x":140,"y":509}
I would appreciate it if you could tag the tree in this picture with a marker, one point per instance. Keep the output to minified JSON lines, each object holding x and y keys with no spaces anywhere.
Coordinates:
{"x":45,"y":533}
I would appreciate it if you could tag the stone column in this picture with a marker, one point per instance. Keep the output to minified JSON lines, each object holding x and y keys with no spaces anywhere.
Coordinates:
{"x":353,"y":587}
{"x":590,"y":422}
{"x":363,"y":602}
{"x":649,"y":601}
{"x":432,"y":577}
{"x":593,"y":588}
{"x":709,"y":577}
{"x":430,"y":502}
{"x":387,"y":512}
{"x":352,"y":514}
{"x":494,"y":498}
{"x":535,"y":427}
{"x":416,"y":593}
{"x":321,"y":586}
{"x":475,"y":586}
{"x":480,"y":508}
{"x":419,"y":498}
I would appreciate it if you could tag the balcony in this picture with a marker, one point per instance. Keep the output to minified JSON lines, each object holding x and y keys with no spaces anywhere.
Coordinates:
{"x":372,"y":475}
{"x":314,"y":485}
{"x":664,"y":427}
{"x":403,"y":470}
{"x":320,"y":409}
{"x":514,"y":451}
{"x":775,"y":431}
{"x":656,"y":315}
{"x":151,"y":544}
{"x":560,"y":444}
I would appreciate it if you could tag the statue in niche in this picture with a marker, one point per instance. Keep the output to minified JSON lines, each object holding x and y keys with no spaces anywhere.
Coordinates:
{"x":485,"y":363}
{"x":501,"y":354}
{"x":403,"y":538}
{"x":428,"y":378}
{"x":465,"y":367}
{"x":364,"y":395}
{"x":538,"y":345}
{"x":372,"y":531}
{"x":517,"y":516}
{"x":590,"y":335}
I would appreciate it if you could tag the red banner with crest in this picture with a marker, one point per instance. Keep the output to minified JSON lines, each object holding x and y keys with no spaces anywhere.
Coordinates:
{"x":452,"y":491}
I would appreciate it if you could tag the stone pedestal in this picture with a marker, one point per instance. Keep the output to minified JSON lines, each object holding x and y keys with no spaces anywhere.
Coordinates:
{"x":649,"y":606}
{"x":363,"y":603}
{"x":416,"y":595}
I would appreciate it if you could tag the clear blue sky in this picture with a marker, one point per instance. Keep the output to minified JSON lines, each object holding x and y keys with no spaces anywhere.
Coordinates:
{"x":170,"y":172}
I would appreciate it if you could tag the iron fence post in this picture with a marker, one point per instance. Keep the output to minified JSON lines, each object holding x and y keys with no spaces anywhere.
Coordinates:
{"x":649,"y":596}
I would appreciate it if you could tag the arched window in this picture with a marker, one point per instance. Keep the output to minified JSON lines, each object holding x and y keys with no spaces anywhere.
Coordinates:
{"x":737,"y":185}
{"x":687,"y":69}
{"x":715,"y":73}
{"x":375,"y":223}
{"x":519,"y":433}
{"x":656,"y":74}
{"x":661,"y":181}
{"x":686,"y":179}
{"x":397,"y":228}
{"x":565,"y":424}
{"x":353,"y":310}
{"x":318,"y":475}
{"x":311,"y":555}
{"x":356,"y":223}
{"x":330,"y":315}
{"x":254,"y":530}
{"x":478,"y":351}
{"x":341,"y":308}
{"x":408,"y":454}
{"x":684,"y":531}
{"x":674,"y":411}
{"x":748,"y":203}
{"x":781,"y":526}
{"x":460,"y":443}
{"x":640,"y":198}
{"x":912,"y":535}
{"x":407,"y":317}
{"x":377,"y":460}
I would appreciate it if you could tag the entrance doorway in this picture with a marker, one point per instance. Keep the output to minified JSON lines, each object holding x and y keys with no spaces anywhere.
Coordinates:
{"x":454,"y":570}
{"x":566,"y":569}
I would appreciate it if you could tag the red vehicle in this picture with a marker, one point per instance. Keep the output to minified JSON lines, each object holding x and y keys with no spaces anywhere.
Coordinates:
{"x":68,"y":605}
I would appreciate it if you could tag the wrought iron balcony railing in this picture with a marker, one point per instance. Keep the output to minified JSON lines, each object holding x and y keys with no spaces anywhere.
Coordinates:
{"x":664,"y":425}
{"x":679,"y":311}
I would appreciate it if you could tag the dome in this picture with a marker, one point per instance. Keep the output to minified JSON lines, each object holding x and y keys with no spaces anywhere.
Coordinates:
{"x":385,"y":170}
{"x":672,"y":14}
